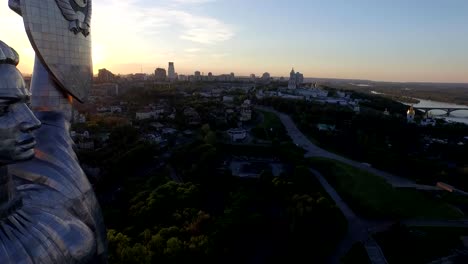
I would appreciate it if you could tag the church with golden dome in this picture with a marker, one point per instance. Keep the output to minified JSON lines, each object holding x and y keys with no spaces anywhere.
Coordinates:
{"x":410,"y":114}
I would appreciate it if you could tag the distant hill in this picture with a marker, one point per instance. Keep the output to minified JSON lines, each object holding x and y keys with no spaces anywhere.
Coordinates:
{"x":358,"y":82}
{"x":443,"y":92}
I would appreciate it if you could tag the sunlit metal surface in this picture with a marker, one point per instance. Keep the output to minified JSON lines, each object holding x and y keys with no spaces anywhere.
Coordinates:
{"x":48,"y":210}
{"x":59,"y":33}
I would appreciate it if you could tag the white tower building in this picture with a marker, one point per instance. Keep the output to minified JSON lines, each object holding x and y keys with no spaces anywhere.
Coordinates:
{"x":292,"y":80}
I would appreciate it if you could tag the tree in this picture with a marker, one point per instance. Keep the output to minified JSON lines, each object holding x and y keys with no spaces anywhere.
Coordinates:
{"x":121,"y":251}
{"x":210,"y":138}
{"x":173,"y":247}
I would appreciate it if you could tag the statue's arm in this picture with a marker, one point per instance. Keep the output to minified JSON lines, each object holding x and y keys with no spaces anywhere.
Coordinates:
{"x":47,"y":95}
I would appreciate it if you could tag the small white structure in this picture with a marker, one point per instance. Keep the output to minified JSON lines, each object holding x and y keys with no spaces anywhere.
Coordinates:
{"x":428,"y":122}
{"x":312,"y":94}
{"x":356,"y":108}
{"x":340,"y":94}
{"x":146,"y":115}
{"x":159,"y":110}
{"x":228,"y":99}
{"x":386,"y":112}
{"x":103,"y":109}
{"x":325,"y":127}
{"x":157,"y":125}
{"x":85,"y":144}
{"x":154,"y":137}
{"x":237,"y":134}
{"x":116,"y":109}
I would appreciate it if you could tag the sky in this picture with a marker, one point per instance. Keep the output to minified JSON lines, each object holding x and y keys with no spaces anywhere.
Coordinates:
{"x":397,"y":40}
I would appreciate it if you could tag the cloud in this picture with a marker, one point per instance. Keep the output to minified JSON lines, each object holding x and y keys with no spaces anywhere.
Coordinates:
{"x":219,"y":55}
{"x":131,"y":16}
{"x":192,"y":50}
{"x":14,"y":35}
{"x":193,"y":1}
{"x":129,"y":31}
{"x":204,"y":30}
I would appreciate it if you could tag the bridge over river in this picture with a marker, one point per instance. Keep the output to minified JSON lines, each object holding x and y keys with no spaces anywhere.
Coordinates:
{"x":448,"y":110}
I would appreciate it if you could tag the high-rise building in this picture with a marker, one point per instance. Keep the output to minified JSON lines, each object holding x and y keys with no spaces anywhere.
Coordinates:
{"x":197,"y":76}
{"x":252,"y":77}
{"x":299,"y":78}
{"x":183,"y":78}
{"x":105,"y":76}
{"x":160,"y":74}
{"x":171,"y":72}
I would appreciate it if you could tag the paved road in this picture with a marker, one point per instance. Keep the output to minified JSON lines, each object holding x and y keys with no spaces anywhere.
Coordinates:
{"x":314,"y":151}
{"x":358,"y":229}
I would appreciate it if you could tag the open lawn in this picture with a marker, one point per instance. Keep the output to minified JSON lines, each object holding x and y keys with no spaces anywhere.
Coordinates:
{"x":372,"y":197}
{"x":271,"y":128}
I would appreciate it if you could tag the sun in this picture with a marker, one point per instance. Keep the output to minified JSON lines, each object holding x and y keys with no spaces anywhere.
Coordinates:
{"x":99,"y":56}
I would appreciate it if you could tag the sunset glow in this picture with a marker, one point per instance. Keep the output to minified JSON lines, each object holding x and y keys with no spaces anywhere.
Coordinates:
{"x":395,"y":41}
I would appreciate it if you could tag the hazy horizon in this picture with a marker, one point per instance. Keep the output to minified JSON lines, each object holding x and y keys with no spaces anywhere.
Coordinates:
{"x":397,"y":41}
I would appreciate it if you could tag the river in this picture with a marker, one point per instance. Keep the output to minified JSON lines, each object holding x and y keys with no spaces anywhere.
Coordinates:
{"x":460,"y":116}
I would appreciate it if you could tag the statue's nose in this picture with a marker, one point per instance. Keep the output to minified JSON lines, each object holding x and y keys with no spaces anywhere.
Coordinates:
{"x":30,"y":121}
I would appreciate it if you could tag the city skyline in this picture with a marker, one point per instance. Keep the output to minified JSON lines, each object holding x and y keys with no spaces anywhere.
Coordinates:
{"x":419,"y":41}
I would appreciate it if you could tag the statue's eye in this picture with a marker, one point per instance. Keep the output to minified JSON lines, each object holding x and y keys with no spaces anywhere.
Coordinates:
{"x":4,"y":109}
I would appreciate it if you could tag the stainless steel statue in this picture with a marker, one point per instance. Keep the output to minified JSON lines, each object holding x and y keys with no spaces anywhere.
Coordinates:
{"x":59,"y":33}
{"x":48,"y":210}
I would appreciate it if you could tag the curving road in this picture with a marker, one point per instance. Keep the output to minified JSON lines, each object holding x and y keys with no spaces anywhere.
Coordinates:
{"x":314,"y":151}
{"x":358,"y":229}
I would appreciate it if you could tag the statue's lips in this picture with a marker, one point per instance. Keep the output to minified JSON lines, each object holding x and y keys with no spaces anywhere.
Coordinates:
{"x":27,"y":143}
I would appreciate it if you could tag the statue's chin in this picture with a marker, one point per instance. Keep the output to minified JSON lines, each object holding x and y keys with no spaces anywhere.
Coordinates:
{"x":25,"y":155}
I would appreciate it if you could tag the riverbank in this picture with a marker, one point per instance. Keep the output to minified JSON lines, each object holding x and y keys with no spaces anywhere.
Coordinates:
{"x":460,"y":116}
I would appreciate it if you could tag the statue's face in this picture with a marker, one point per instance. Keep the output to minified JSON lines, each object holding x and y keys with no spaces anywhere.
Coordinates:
{"x":16,"y":125}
